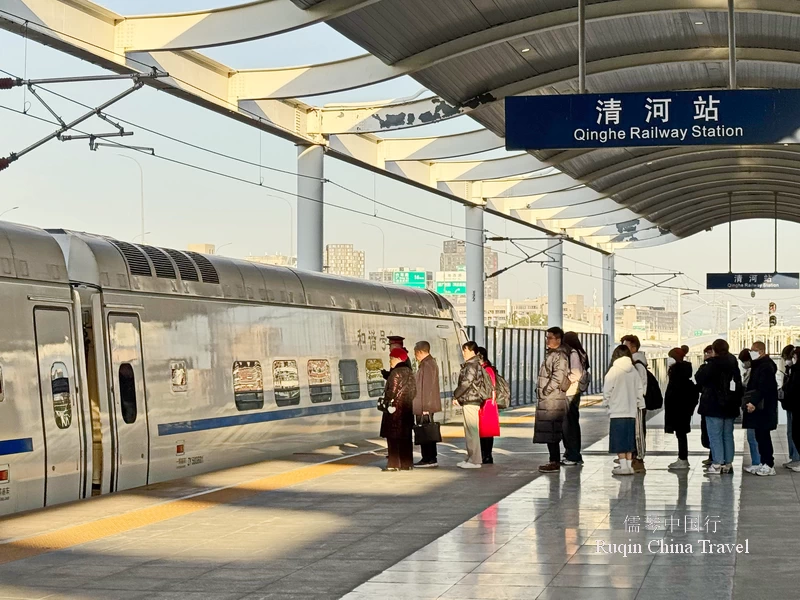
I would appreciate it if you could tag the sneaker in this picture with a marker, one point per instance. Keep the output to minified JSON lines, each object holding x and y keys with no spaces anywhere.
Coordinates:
{"x":571,"y":463}
{"x":707,"y":461}
{"x":551,"y":467}
{"x":727,"y":469}
{"x":620,"y":470}
{"x":791,"y":464}
{"x":679,"y":464}
{"x":426,"y":465}
{"x":765,"y":471}
{"x":751,"y":469}
{"x":638,"y":466}
{"x":714,"y":469}
{"x":795,"y":468}
{"x":468,"y":465}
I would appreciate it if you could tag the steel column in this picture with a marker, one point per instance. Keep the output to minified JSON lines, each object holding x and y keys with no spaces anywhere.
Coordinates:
{"x":731,"y":46}
{"x":581,"y":46}
{"x":609,"y":302}
{"x":555,"y":284}
{"x":475,"y":271}
{"x":310,"y":207}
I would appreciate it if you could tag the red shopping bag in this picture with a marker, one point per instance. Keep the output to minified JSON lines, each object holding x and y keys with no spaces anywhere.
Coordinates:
{"x":489,"y":419}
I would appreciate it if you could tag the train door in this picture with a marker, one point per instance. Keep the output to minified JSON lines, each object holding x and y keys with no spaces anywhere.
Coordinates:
{"x":448,"y":384}
{"x":132,"y":448}
{"x":60,"y":405}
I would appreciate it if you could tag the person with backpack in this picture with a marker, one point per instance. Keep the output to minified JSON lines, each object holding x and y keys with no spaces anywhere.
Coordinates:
{"x":579,"y":384}
{"x":489,"y":415}
{"x":551,"y":389}
{"x":721,"y":384}
{"x":653,"y":399}
{"x":623,"y":396}
{"x":679,"y":404}
{"x":474,"y":386}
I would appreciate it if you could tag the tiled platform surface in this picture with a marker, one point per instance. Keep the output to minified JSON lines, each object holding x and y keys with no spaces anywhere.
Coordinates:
{"x":288,"y":529}
{"x":541,"y":542}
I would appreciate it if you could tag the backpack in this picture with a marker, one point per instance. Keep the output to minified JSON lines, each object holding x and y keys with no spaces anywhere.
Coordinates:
{"x":502,"y":391}
{"x":653,"y":398}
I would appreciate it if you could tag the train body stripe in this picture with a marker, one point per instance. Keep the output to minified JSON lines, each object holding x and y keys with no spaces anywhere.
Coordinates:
{"x":16,"y":446}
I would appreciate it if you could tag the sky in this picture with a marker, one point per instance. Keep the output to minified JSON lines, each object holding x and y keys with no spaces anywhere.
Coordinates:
{"x":64,"y":184}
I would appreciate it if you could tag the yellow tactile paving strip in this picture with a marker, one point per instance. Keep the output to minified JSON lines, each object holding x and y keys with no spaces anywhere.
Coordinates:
{"x":108,"y":526}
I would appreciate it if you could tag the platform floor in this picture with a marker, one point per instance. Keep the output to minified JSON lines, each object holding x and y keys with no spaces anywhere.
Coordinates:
{"x":328,"y":524}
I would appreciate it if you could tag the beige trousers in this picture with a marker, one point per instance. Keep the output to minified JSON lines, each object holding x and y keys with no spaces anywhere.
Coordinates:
{"x":472,"y":435}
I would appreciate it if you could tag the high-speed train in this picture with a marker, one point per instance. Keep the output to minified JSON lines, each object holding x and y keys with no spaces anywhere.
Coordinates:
{"x":123,"y":365}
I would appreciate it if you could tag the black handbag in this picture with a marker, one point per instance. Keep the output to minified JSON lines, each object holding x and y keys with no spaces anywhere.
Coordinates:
{"x":427,"y":432}
{"x":383,"y":405}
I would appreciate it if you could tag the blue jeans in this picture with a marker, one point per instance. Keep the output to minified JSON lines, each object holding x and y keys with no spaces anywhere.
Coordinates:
{"x":793,"y":453}
{"x":755,"y":457}
{"x":720,"y":435}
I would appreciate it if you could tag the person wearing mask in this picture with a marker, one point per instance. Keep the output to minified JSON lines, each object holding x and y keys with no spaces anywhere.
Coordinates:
{"x":473,"y":388}
{"x":579,"y":381}
{"x":640,"y":363}
{"x":428,"y":400}
{"x":680,"y":401}
{"x":551,"y":389}
{"x":397,"y":422}
{"x":707,"y":353}
{"x":623,"y":396}
{"x":784,"y":369}
{"x":791,"y":395}
{"x":489,"y":415}
{"x":752,"y":445}
{"x":760,"y":405}
{"x":721,"y":385}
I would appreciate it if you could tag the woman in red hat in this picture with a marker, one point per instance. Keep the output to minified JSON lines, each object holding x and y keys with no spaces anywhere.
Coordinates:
{"x":397,"y":422}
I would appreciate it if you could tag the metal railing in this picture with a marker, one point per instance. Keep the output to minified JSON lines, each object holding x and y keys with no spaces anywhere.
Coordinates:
{"x":518,"y":352}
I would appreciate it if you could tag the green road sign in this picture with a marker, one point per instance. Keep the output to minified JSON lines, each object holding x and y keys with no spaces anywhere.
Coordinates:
{"x":415,"y":279}
{"x":451,"y":288}
{"x":698,"y":332}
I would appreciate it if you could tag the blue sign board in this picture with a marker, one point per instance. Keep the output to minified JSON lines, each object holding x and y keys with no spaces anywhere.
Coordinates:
{"x":753,"y":281}
{"x":618,"y":120}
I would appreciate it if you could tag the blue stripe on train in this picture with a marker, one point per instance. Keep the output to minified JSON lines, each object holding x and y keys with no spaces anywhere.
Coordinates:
{"x":16,"y":446}
{"x":261,"y":417}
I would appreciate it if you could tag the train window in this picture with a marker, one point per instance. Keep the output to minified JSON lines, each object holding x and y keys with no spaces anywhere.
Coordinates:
{"x":178,"y":375}
{"x":287,"y":382}
{"x":348,"y":380}
{"x":319,"y":380}
{"x":248,"y":385}
{"x":62,"y":401}
{"x":127,"y":393}
{"x":375,"y":381}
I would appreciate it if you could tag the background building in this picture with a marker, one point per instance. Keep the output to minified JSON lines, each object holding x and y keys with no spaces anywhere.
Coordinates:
{"x":454,"y":259}
{"x":648,"y":322}
{"x":280,"y":260}
{"x":343,"y":259}
{"x":201,"y":248}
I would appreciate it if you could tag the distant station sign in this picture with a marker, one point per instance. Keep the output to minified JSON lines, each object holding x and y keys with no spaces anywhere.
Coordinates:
{"x":415,"y":279}
{"x":451,"y":288}
{"x":695,"y":118}
{"x":753,"y":281}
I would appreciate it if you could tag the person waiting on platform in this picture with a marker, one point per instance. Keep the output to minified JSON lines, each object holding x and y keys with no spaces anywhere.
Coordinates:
{"x":551,"y":391}
{"x":398,"y":417}
{"x":721,"y":385}
{"x":579,"y":383}
{"x":640,"y":363}
{"x":752,"y":444}
{"x":760,"y":404}
{"x":489,"y":415}
{"x":785,"y":367}
{"x":428,"y":400}
{"x":623,"y":396}
{"x":680,"y":401}
{"x":474,"y":386}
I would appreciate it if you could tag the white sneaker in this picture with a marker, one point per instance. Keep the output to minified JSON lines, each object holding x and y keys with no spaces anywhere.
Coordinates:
{"x":765,"y":471}
{"x":714,"y":469}
{"x":792,"y":463}
{"x":795,"y":468}
{"x":751,"y":469}
{"x":620,"y":470}
{"x":570,"y":463}
{"x":468,"y":465}
{"x":679,"y":464}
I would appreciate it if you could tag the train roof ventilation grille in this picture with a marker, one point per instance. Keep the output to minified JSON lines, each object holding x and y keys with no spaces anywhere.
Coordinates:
{"x":137,"y":262}
{"x":161,"y":262}
{"x":207,"y":270}
{"x":185,"y":265}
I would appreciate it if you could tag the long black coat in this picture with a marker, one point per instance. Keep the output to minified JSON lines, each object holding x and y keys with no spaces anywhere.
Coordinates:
{"x":714,"y":378}
{"x":763,"y":381}
{"x":400,"y":389}
{"x":791,"y":390}
{"x":680,"y":399}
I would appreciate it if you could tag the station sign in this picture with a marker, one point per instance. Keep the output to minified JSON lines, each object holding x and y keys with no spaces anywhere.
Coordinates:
{"x":753,"y":281}
{"x":687,"y":118}
{"x":414,"y":279}
{"x":451,"y":288}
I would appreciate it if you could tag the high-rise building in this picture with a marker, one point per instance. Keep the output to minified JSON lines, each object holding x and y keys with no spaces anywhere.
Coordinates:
{"x":201,"y":248}
{"x":343,"y":259}
{"x":647,"y":322}
{"x":454,"y":258}
{"x":280,"y":260}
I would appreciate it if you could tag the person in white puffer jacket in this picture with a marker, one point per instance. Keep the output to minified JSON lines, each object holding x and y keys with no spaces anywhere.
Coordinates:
{"x":623,"y":396}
